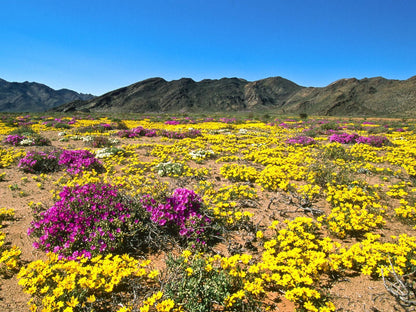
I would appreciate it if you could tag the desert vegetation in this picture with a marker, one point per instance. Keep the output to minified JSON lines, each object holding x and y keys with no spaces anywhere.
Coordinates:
{"x":162,"y":213}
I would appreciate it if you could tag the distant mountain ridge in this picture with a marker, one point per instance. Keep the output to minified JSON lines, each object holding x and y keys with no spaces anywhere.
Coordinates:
{"x":34,"y":97}
{"x":345,"y":97}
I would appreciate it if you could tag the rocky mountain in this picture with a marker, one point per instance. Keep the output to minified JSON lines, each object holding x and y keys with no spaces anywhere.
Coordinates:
{"x":346,"y":97}
{"x":159,"y":95}
{"x":366,"y":97}
{"x":34,"y":97}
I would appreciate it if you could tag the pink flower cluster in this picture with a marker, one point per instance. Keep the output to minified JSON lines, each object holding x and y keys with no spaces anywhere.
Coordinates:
{"x":228,"y":120}
{"x":180,"y":135}
{"x":14,"y":139}
{"x":373,"y":140}
{"x":172,"y":122}
{"x":181,"y":210}
{"x":344,"y":138}
{"x":38,"y":161}
{"x":176,"y":121}
{"x":301,"y":140}
{"x":86,"y":220}
{"x":75,"y":161}
{"x":139,"y":131}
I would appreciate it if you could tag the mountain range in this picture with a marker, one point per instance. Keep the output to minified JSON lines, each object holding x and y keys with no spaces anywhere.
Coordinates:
{"x":345,"y":97}
{"x":34,"y":97}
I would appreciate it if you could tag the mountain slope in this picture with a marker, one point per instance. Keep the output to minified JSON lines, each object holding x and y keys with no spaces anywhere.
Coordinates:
{"x":368,"y":96}
{"x":159,"y":95}
{"x":346,"y":97}
{"x":34,"y":97}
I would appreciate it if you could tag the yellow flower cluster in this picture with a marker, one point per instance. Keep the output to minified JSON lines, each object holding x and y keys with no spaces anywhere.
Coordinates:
{"x":225,"y":203}
{"x":294,"y":261}
{"x":9,"y":155}
{"x":366,"y":152}
{"x":398,"y":190}
{"x":274,"y":177}
{"x":406,"y":212}
{"x":308,"y":190}
{"x":236,"y":172}
{"x":61,"y":285}
{"x":9,"y":256}
{"x":370,"y":256}
{"x":154,"y":303}
{"x":354,"y":210}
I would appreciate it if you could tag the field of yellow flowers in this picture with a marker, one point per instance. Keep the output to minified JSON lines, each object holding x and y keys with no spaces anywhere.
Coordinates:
{"x":158,"y":213}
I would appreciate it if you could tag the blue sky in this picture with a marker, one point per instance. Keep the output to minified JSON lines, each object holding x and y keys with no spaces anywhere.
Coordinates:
{"x":95,"y":46}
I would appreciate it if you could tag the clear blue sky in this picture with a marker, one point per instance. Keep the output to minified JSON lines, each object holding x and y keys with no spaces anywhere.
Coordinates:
{"x":95,"y":46}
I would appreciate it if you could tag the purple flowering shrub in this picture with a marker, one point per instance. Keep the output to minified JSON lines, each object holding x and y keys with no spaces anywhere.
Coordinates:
{"x":139,"y":131}
{"x":76,"y":161}
{"x":344,"y":138}
{"x":14,"y":139}
{"x":98,"y":218}
{"x":177,"y":121}
{"x":302,"y":140}
{"x":102,"y":127}
{"x":40,"y":161}
{"x":172,"y":122}
{"x":228,"y":120}
{"x":373,"y":140}
{"x":86,"y":220}
{"x":182,"y":213}
{"x":27,"y":140}
{"x":48,"y":161}
{"x":180,"y":135}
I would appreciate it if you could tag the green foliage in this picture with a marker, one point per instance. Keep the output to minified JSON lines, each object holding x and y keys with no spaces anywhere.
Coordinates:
{"x":330,"y":126}
{"x":24,"y":130}
{"x":336,"y":151}
{"x":61,"y":125}
{"x":327,"y":172}
{"x":99,"y":141}
{"x":169,"y":169}
{"x":196,"y":285}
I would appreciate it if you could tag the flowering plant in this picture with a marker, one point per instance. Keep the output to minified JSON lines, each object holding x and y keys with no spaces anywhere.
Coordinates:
{"x":377,"y":141}
{"x":78,"y":160}
{"x":302,"y":140}
{"x":109,"y":151}
{"x":139,"y":131}
{"x":14,"y":139}
{"x":85,"y":221}
{"x":170,"y":169}
{"x":192,"y":133}
{"x":99,"y":141}
{"x":182,"y":212}
{"x":26,"y":140}
{"x":201,"y":154}
{"x":102,"y":284}
{"x":344,"y":138}
{"x":39,"y":161}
